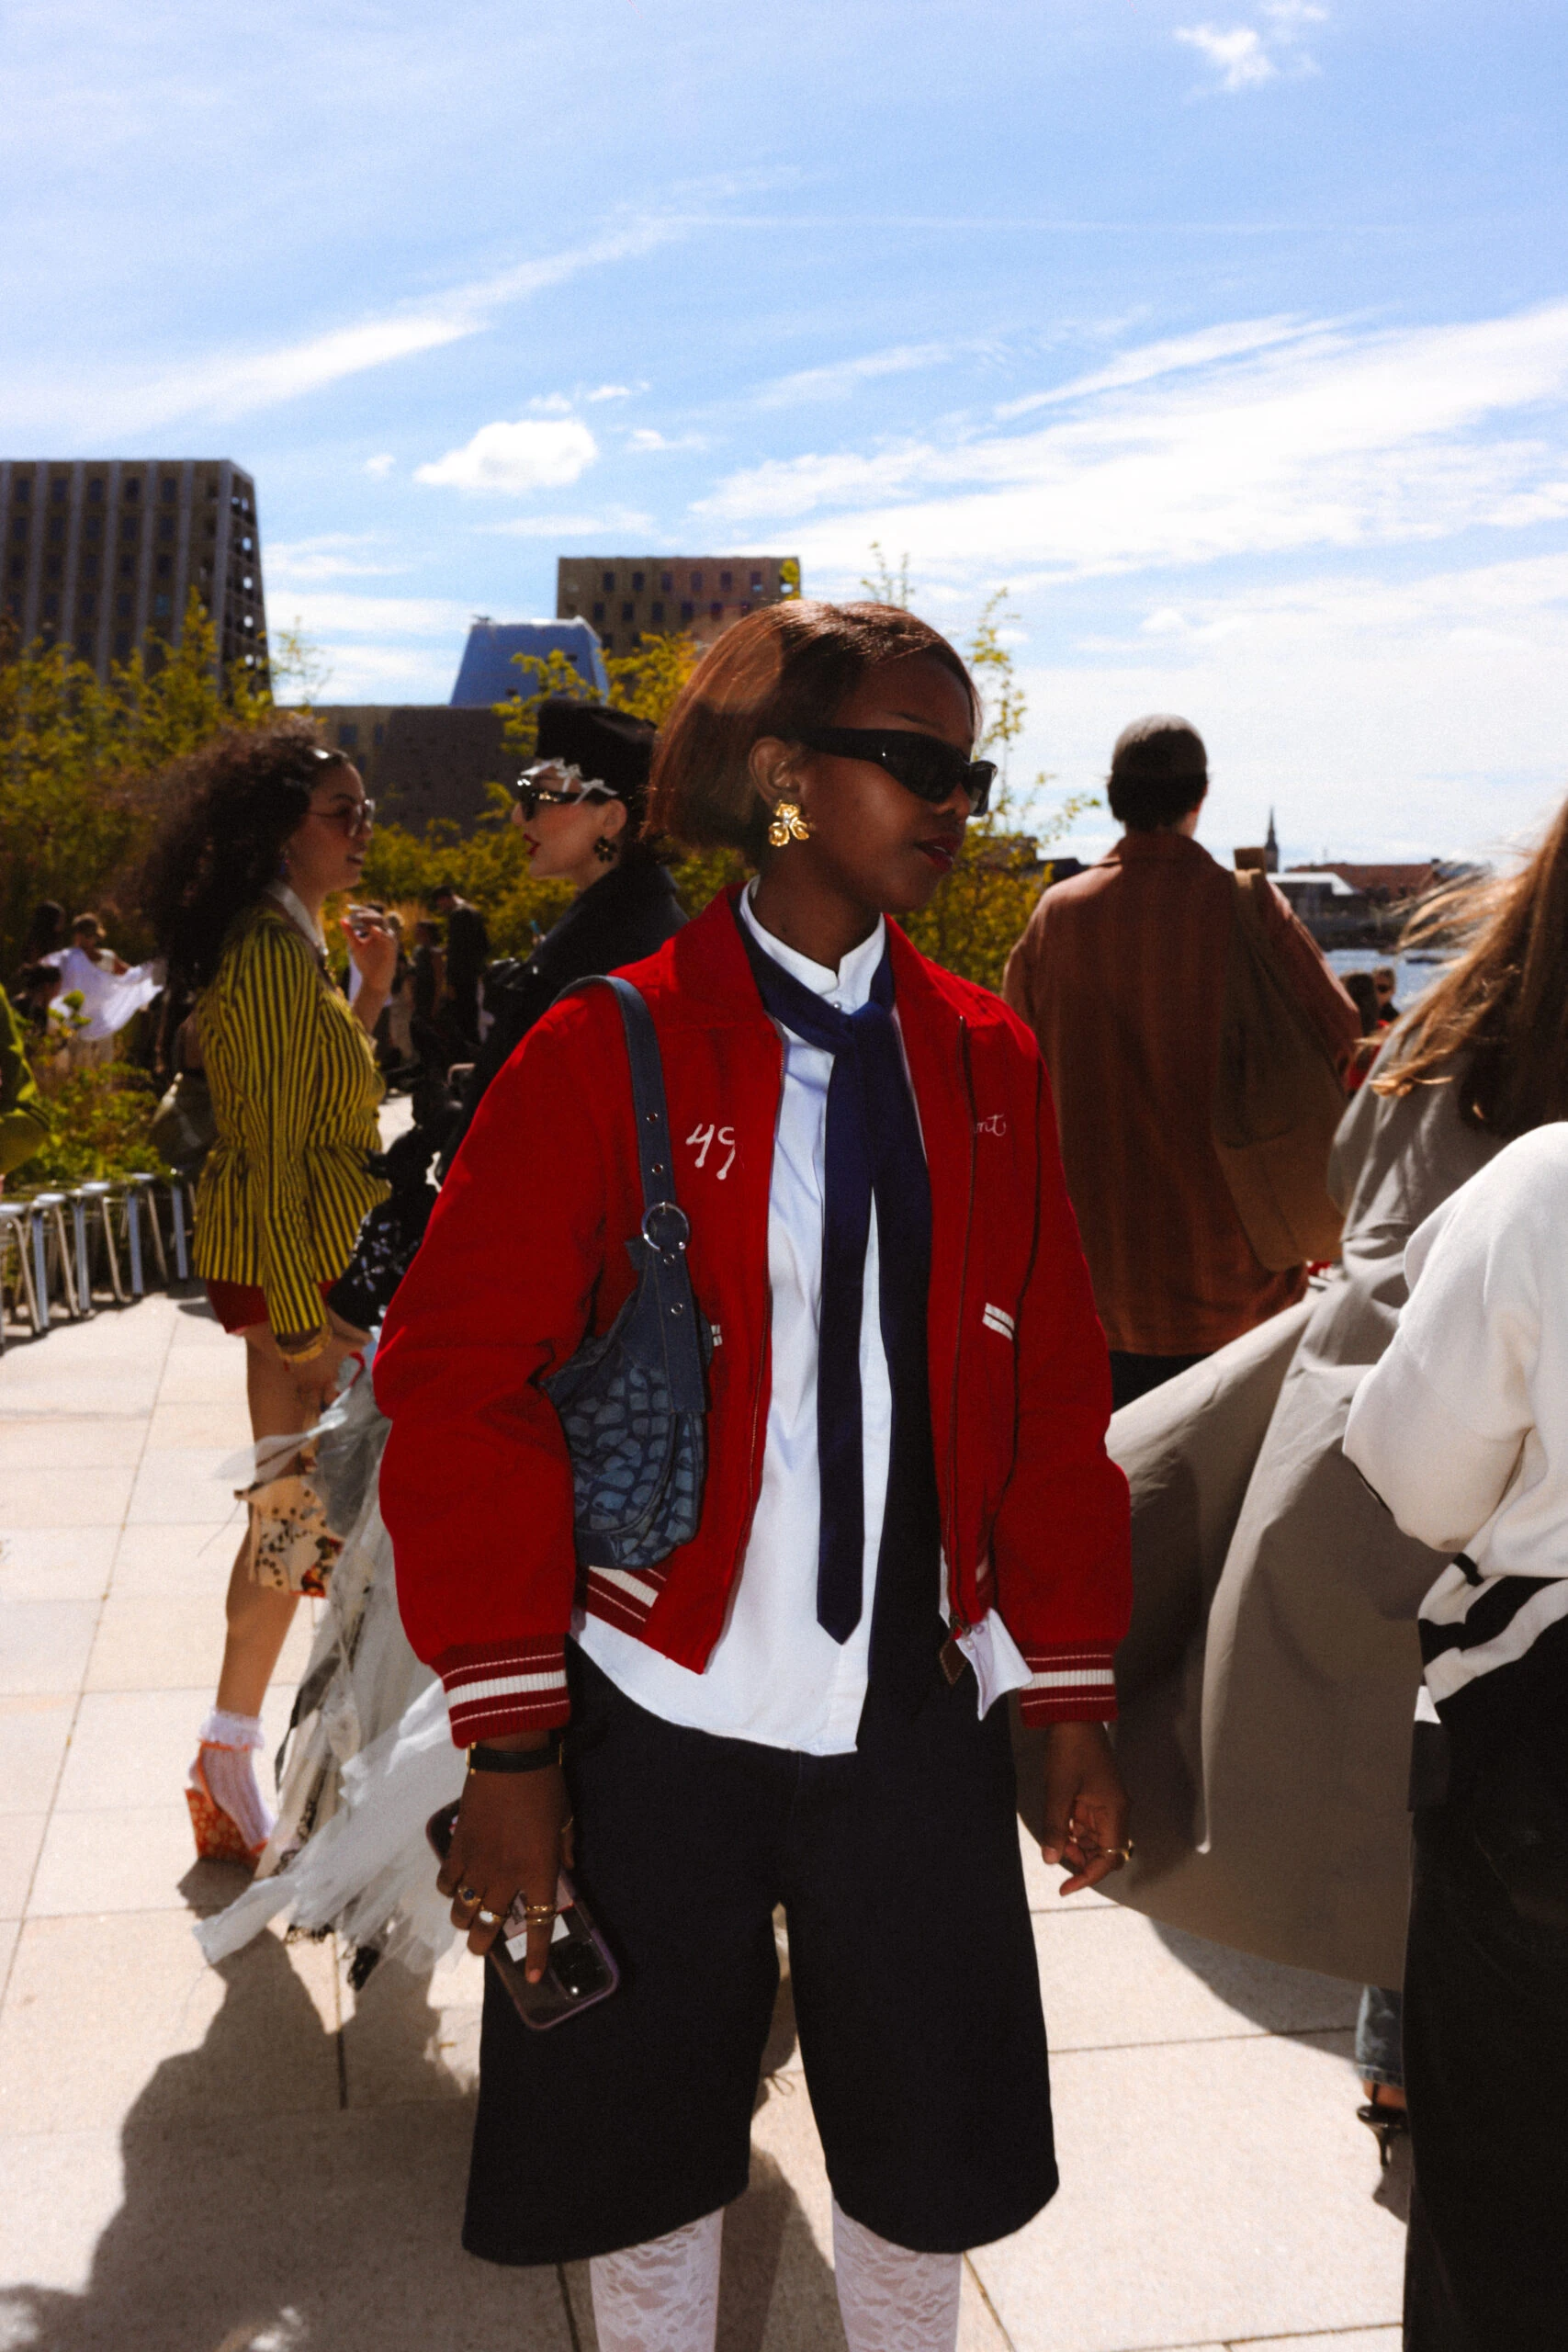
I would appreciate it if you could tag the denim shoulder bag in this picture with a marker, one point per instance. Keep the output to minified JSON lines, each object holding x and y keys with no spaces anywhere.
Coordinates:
{"x":632,"y":1403}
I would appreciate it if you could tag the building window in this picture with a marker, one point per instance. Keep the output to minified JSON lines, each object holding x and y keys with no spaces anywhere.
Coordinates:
{"x":716,"y":611}
{"x":19,"y":526}
{"x":667,"y":581}
{"x":123,"y":644}
{"x":96,"y":491}
{"x":688,"y":611}
{"x":745,"y":606}
{"x":571,"y":611}
{"x":161,"y":607}
{"x":166,"y":566}
{"x":122,"y":605}
{"x":598,"y":612}
{"x":166,"y":526}
{"x":87,"y":610}
{"x":128,"y":527}
{"x":171,"y":490}
{"x":18,"y":567}
{"x":59,"y":489}
{"x":24,"y":490}
{"x":756,"y":583}
{"x":378,"y":734}
{"x":727,"y":580}
{"x":637,"y":584}
{"x":56,"y":530}
{"x":128,"y":567}
{"x":95,"y":528}
{"x":51,"y":609}
{"x":607,"y":642}
{"x":348,"y":735}
{"x":658,"y":613}
{"x":696,"y":583}
{"x":51,"y":566}
{"x":130,"y":489}
{"x":607,"y":582}
{"x":628,"y":612}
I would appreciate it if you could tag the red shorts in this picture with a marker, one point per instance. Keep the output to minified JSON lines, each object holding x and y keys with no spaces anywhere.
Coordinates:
{"x":239,"y":1305}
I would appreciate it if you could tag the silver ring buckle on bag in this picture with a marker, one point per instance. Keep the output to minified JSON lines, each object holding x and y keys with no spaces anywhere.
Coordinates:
{"x":680,"y":1236}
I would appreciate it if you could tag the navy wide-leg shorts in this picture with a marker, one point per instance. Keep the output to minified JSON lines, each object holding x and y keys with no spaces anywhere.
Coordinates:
{"x":912,"y":1965}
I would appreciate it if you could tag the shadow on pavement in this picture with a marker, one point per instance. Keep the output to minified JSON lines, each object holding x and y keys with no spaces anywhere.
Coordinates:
{"x":336,"y":2227}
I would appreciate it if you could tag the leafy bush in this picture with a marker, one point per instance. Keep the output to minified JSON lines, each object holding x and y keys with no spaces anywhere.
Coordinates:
{"x":99,"y":1122}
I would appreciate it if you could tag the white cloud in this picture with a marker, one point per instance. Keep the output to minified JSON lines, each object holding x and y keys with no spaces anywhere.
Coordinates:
{"x":615,"y":392}
{"x":646,"y":437}
{"x":1237,"y":56}
{"x":1317,"y":438}
{"x":536,"y":452}
{"x":1245,"y":57}
{"x":232,"y":384}
{"x":378,"y":468}
{"x":615,"y":523}
{"x":333,"y":555}
{"x":843,"y":377}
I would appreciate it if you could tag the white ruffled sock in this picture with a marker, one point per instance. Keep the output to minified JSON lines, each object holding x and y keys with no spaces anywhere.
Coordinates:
{"x":890,"y":2298}
{"x":227,"y":1744}
{"x":661,"y":2297}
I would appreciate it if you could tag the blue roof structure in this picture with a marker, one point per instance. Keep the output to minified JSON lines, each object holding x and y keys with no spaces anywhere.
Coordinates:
{"x":486,"y":673}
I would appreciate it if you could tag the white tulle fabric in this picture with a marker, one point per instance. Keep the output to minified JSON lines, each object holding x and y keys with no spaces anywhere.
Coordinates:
{"x":227,"y":1744}
{"x":891,"y":2300}
{"x":661,"y":2297}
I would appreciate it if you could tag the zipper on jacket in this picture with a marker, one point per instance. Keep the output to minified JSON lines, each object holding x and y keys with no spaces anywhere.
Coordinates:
{"x":954,"y":1601}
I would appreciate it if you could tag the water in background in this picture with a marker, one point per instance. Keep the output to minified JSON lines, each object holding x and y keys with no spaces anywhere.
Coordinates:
{"x":1414,"y":978}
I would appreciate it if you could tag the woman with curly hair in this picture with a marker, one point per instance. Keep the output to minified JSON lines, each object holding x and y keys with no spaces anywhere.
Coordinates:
{"x":264,"y":826}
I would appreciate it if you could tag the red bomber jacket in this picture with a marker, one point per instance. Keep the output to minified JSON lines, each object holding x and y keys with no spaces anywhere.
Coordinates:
{"x":525,"y":1258}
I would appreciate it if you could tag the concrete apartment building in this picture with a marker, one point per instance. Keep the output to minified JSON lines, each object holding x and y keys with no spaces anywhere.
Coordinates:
{"x":628,"y":596}
{"x":102,"y":554}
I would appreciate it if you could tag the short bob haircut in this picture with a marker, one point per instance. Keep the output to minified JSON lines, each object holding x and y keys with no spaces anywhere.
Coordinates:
{"x":1158,"y":771}
{"x":788,"y":667}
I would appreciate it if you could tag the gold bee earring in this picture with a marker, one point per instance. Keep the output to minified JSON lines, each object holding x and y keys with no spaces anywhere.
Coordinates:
{"x":788,"y":826}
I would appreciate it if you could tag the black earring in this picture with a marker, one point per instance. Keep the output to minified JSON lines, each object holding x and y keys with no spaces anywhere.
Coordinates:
{"x":604,"y":850}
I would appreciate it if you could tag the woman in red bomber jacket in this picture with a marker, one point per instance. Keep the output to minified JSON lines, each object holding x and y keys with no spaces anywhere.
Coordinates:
{"x":907,"y":1511}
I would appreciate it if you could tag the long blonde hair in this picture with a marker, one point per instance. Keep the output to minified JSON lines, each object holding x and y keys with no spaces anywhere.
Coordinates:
{"x":1496,"y":1022}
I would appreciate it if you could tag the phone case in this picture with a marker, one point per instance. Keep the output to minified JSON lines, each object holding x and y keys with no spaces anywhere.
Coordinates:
{"x":581,"y":1970}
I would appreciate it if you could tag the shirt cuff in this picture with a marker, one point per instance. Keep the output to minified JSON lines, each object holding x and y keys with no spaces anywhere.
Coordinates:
{"x":499,"y":1687}
{"x":1069,"y":1686}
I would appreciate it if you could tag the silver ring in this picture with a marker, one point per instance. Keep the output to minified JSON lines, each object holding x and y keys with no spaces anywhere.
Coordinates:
{"x":488,"y":1918}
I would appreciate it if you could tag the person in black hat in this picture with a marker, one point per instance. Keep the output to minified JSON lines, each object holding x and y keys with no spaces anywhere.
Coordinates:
{"x":580,"y":806}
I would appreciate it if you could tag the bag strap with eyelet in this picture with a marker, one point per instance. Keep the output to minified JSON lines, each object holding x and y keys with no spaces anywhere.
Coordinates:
{"x":666,"y":1228}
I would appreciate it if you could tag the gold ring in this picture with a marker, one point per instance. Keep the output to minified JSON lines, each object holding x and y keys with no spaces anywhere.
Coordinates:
{"x":468,"y":1894}
{"x":538,"y":1913}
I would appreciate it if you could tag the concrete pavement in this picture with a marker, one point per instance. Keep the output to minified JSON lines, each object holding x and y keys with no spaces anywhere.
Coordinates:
{"x":251,"y":2159}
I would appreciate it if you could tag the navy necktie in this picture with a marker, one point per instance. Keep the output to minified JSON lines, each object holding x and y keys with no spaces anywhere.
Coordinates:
{"x":872,"y":1151}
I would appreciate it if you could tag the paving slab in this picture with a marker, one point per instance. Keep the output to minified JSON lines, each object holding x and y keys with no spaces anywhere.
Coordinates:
{"x":1211,"y":2191}
{"x":1115,"y":1979}
{"x":21,"y":1835}
{"x":34,"y":1729}
{"x":44,"y":1645}
{"x":86,"y":1497}
{"x":70,"y":1442}
{"x":134,"y":1747}
{"x":187,"y":1483}
{"x":56,"y":1563}
{"x":176,"y":1560}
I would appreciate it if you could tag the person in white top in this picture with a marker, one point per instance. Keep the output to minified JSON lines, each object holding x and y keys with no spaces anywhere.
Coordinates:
{"x":1462,"y":1429}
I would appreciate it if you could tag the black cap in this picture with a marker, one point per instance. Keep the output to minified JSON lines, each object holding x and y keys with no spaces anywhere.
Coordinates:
{"x":607,"y":747}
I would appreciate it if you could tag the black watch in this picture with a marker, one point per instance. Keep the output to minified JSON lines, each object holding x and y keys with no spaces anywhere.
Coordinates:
{"x":515,"y":1759}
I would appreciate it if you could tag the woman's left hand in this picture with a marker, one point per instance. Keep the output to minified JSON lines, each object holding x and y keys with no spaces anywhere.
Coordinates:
{"x":374,"y":949}
{"x":1086,"y":1805}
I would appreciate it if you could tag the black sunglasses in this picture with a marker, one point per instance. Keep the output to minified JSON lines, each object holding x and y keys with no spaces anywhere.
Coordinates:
{"x":922,"y":764}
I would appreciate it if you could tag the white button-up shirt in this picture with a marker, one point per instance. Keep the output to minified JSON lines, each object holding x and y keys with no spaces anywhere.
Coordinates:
{"x":775,"y":1675}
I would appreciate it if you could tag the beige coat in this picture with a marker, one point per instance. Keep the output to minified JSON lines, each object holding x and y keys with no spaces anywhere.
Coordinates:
{"x":1268,"y":1681}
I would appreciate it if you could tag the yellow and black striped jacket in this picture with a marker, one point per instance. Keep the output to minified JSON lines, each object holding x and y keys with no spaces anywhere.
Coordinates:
{"x":295,"y":1089}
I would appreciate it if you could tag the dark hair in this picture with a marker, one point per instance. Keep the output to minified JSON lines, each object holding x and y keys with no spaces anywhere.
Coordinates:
{"x":45,"y":930}
{"x":1361,"y":990}
{"x":1496,"y":1021}
{"x":1158,"y":771}
{"x":233,"y":805}
{"x":787,"y":667}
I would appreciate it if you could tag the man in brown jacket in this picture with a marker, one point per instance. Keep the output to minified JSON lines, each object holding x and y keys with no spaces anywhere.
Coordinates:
{"x":1121,"y":973}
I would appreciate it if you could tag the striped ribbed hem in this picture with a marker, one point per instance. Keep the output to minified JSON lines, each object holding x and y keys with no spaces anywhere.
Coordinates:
{"x":515,"y":1686}
{"x":1069,"y":1686}
{"x":624,"y":1596}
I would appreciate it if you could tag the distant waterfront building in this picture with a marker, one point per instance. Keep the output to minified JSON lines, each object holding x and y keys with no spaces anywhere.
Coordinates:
{"x":489,"y":672}
{"x":102,"y":554}
{"x":628,"y":596}
{"x":421,"y":760}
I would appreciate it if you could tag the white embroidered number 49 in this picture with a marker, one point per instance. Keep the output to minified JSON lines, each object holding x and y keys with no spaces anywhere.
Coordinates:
{"x":707,"y":1137}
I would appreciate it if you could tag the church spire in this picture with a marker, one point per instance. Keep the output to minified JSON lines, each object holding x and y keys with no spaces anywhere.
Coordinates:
{"x":1272,"y":847}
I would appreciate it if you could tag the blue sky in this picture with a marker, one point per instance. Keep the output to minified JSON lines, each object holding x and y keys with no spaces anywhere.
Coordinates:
{"x":1232,"y":340}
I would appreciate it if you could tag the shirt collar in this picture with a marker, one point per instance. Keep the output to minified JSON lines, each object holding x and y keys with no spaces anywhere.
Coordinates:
{"x":298,"y":914}
{"x":847,"y":988}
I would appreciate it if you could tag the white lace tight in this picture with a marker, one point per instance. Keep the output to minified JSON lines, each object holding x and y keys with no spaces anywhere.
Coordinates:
{"x":664,"y":2297}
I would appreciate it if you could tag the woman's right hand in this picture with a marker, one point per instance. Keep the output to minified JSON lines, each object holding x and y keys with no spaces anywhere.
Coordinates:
{"x":511,"y":1836}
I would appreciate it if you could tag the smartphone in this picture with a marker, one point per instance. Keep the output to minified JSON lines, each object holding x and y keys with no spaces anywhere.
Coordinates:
{"x":581,"y":1968}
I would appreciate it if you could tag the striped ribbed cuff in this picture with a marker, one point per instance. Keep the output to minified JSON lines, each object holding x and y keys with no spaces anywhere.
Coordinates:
{"x":508,"y":1686}
{"x":1069,"y":1686}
